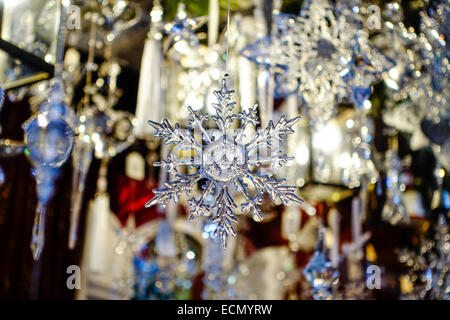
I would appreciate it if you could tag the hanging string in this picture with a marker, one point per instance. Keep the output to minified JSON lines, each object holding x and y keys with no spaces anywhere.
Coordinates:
{"x":228,"y":36}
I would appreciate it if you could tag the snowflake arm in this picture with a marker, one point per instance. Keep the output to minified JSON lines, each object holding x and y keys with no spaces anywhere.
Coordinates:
{"x":272,"y":133}
{"x":172,"y":162}
{"x":275,"y":188}
{"x":200,"y":208}
{"x":276,"y":160}
{"x":182,"y":138}
{"x":253,"y":203}
{"x":196,"y":120}
{"x":173,"y":189}
{"x":249,"y":116}
{"x":224,"y":118}
{"x":225,"y":216}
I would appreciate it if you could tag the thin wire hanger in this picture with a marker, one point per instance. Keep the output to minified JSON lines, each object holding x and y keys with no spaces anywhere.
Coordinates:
{"x":227,"y":40}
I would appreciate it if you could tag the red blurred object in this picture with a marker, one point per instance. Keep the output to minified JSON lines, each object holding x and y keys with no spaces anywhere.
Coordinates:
{"x":133,"y":195}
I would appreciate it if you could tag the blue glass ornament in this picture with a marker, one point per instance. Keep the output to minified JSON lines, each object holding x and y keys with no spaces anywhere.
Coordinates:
{"x":49,"y":140}
{"x":49,"y":137}
{"x":320,"y":272}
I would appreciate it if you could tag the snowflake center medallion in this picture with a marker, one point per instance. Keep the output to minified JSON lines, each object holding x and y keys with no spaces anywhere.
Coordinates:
{"x":224,"y":160}
{"x":225,"y":163}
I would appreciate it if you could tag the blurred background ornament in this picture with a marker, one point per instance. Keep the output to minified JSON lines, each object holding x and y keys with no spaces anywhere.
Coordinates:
{"x":320,"y":272}
{"x":394,"y":210}
{"x":49,"y":136}
{"x":149,"y":101}
{"x":165,"y":267}
{"x":215,"y":283}
{"x":102,"y":130}
{"x":29,"y":41}
{"x":355,"y":288}
{"x":428,"y":267}
{"x":182,"y":29}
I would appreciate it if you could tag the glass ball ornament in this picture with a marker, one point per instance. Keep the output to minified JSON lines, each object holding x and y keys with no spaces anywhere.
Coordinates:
{"x":49,"y":135}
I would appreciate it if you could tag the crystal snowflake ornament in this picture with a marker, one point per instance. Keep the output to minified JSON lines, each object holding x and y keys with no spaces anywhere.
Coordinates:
{"x":224,"y":160}
{"x":307,"y":51}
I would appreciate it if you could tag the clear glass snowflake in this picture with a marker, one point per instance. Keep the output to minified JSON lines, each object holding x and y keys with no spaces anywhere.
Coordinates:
{"x":224,"y":160}
{"x":306,"y":52}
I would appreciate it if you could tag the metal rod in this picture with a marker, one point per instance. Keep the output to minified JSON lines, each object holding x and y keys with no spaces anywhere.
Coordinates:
{"x":26,"y":57}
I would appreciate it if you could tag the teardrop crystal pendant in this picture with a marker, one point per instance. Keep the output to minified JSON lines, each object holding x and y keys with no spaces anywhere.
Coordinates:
{"x":320,"y":272}
{"x":45,"y":178}
{"x":82,"y":158}
{"x":38,"y":234}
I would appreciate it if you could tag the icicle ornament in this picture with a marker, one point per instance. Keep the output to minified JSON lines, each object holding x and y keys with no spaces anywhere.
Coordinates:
{"x":224,"y":160}
{"x":49,"y":137}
